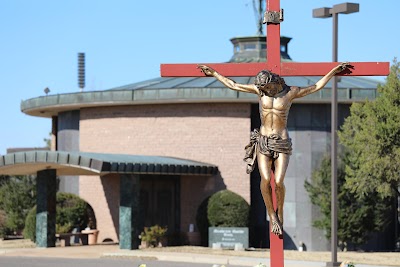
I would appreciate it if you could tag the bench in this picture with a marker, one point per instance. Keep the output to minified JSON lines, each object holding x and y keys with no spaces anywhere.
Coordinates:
{"x":65,"y":239}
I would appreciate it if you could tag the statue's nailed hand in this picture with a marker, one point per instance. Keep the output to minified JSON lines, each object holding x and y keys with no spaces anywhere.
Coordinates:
{"x":344,"y":68}
{"x":206,"y":70}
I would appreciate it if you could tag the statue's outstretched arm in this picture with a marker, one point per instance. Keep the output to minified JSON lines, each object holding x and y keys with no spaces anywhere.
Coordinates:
{"x":248,"y":88}
{"x":324,"y":80}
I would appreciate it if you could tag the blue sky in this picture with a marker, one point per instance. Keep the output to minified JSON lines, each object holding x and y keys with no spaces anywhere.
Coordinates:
{"x":126,"y":40}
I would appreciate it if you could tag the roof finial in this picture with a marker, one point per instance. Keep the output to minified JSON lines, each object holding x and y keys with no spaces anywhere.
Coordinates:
{"x":258,"y":12}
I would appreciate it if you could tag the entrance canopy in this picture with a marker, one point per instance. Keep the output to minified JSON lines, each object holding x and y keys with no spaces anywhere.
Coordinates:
{"x":84,"y":163}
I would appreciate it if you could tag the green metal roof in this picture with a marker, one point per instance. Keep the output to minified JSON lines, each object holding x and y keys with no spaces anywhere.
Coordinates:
{"x":189,"y":90}
{"x":84,"y":163}
{"x":199,"y":89}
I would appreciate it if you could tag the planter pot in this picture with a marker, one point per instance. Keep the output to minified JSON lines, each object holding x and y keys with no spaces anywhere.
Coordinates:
{"x":143,"y":244}
{"x":163,"y":242}
{"x":92,"y":236}
{"x":194,"y":238}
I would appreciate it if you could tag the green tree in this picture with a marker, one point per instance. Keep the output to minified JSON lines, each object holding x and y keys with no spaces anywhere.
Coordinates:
{"x":4,"y":179}
{"x":47,"y":141}
{"x":17,"y":197}
{"x":372,"y":134}
{"x":357,"y":217}
{"x":3,"y":221}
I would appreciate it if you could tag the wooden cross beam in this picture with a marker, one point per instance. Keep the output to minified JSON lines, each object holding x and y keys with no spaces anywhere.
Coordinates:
{"x":283,"y":69}
{"x":275,"y":65}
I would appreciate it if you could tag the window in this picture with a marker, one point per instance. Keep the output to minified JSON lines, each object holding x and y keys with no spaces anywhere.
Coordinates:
{"x":250,"y":46}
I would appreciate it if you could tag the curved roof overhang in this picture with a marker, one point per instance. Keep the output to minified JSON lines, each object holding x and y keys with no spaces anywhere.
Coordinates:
{"x":192,"y":90}
{"x":83,"y":163}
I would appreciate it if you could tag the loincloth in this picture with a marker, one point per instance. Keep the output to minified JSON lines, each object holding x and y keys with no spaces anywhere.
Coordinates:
{"x":270,"y":146}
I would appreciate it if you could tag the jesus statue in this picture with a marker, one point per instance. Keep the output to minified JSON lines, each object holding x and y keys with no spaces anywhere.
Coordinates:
{"x":270,"y":144}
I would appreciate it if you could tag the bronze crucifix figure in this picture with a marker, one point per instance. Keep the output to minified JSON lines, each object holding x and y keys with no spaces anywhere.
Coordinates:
{"x":270,"y":144}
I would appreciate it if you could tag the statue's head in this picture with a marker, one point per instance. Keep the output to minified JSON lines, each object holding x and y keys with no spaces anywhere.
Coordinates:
{"x":269,"y":83}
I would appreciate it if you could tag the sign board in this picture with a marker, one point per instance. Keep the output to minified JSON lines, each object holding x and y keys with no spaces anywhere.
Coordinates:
{"x":227,"y":237}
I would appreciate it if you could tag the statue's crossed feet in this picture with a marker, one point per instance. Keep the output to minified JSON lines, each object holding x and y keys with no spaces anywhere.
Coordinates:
{"x":276,"y":227}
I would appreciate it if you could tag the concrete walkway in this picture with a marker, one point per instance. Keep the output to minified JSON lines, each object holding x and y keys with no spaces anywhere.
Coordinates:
{"x":113,"y":251}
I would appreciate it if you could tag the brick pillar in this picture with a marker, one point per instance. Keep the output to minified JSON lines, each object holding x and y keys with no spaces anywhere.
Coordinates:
{"x":46,"y":208}
{"x":129,"y":212}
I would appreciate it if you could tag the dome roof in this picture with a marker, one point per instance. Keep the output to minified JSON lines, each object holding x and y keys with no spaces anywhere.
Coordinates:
{"x":254,"y":49}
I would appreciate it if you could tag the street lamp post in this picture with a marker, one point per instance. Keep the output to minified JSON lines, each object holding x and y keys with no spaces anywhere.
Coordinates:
{"x":326,"y":12}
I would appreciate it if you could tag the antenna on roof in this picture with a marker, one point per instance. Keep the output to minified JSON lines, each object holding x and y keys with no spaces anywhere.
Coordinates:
{"x":258,"y":12}
{"x":81,"y":70}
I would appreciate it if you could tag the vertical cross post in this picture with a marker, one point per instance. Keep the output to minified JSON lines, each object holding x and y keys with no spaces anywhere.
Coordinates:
{"x":274,"y":64}
{"x":273,"y":40}
{"x":276,"y":242}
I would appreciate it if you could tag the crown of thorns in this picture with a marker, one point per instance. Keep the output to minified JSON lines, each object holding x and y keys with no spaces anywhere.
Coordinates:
{"x":269,"y":77}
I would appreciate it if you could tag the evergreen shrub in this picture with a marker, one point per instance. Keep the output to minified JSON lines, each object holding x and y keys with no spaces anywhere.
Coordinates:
{"x":71,"y":212}
{"x":228,"y":209}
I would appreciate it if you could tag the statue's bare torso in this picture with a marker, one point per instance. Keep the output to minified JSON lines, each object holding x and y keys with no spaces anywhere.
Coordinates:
{"x":274,"y":112}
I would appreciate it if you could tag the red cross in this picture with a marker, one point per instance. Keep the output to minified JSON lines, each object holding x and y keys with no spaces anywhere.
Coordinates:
{"x":275,"y":65}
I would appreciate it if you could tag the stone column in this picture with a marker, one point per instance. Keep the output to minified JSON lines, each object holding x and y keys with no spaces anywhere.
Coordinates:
{"x":46,"y":208}
{"x":129,"y":220}
{"x":68,"y":140}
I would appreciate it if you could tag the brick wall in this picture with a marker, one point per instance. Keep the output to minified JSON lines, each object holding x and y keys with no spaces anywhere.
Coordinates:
{"x":194,"y":189}
{"x":102,"y":193}
{"x":211,"y":133}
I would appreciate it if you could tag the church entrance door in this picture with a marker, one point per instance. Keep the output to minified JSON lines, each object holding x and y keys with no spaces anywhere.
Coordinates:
{"x":159,"y":196}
